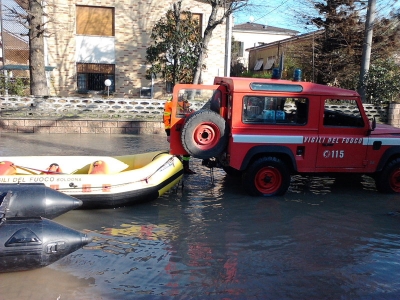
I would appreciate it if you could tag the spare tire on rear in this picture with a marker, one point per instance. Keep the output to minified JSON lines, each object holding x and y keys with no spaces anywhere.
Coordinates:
{"x":204,"y":134}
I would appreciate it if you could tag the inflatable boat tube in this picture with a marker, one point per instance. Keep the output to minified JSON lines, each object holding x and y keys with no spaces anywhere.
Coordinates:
{"x":98,"y":181}
{"x":34,"y":200}
{"x":7,"y":168}
{"x":34,"y":243}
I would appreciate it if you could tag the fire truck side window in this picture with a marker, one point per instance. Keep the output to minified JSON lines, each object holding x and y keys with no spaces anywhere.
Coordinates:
{"x":183,"y":105}
{"x":343,"y":113}
{"x":191,"y":100}
{"x":275,"y":110}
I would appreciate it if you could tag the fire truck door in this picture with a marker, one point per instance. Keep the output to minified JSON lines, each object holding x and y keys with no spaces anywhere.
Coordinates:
{"x":341,"y":133}
{"x":341,"y":150}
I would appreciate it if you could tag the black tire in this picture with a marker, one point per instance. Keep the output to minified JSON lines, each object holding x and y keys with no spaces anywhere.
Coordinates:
{"x":232,"y":172}
{"x":388,"y":181}
{"x":204,"y":134}
{"x":267,"y":176}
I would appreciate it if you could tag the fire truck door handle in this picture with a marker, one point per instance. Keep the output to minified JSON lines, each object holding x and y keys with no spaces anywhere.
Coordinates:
{"x":327,"y":144}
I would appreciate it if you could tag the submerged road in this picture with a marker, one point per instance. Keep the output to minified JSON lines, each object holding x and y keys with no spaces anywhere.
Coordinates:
{"x":326,"y":238}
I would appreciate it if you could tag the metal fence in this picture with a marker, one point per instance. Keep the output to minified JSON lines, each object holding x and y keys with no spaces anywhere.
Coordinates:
{"x":14,"y":39}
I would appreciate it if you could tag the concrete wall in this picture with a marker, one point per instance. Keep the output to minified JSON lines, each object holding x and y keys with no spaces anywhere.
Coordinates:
{"x":81,"y":115}
{"x":394,"y":115}
{"x":80,"y":126}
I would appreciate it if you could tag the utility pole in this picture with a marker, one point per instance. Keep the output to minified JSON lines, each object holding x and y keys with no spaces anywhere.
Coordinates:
{"x":228,"y":45}
{"x":366,"y":53}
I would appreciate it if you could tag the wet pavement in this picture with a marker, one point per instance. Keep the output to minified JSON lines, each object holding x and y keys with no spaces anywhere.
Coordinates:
{"x":326,"y":238}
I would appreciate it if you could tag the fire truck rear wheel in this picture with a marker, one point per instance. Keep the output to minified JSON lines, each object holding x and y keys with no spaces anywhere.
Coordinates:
{"x":388,"y":181}
{"x":267,"y":176}
{"x":204,"y":134}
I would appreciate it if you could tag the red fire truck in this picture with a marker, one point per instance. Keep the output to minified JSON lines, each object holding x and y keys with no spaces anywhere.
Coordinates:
{"x":269,"y":129}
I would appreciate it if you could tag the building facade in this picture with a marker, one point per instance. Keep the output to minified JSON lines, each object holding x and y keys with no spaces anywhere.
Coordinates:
{"x":91,"y":41}
{"x":249,"y":35}
{"x":267,"y":56}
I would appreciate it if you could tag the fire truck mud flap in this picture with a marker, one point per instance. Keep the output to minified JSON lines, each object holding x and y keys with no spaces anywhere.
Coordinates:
{"x":267,"y":176}
{"x":204,"y":134}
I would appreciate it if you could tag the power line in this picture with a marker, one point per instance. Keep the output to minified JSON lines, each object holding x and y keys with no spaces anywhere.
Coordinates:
{"x":272,"y":10}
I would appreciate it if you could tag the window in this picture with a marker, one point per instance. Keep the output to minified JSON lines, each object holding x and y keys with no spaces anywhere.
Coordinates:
{"x":238,"y":48}
{"x":342,"y":112}
{"x":270,"y":63}
{"x":169,"y":87}
{"x":275,"y":110}
{"x":93,"y":20}
{"x":190,"y":100}
{"x":258,"y":65}
{"x":199,"y":19}
{"x":91,"y":77}
{"x":241,"y":49}
{"x":276,"y":87}
{"x":95,"y":48}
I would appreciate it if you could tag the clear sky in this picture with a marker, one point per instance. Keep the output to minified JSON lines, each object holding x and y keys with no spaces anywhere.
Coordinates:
{"x":278,"y":13}
{"x":287,"y":13}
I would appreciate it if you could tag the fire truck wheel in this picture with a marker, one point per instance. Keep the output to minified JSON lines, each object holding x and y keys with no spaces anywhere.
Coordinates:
{"x":204,"y":134}
{"x":267,"y":176}
{"x":388,"y":181}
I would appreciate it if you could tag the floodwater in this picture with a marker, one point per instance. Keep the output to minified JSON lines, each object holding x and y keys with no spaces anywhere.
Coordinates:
{"x":325,"y":239}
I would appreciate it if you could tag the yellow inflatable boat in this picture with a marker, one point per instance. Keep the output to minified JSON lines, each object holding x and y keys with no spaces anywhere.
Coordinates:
{"x":99,"y":181}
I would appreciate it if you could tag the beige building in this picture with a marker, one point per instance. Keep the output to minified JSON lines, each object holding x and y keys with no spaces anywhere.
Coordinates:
{"x":248,"y":35}
{"x":266,"y":57}
{"x":91,"y":41}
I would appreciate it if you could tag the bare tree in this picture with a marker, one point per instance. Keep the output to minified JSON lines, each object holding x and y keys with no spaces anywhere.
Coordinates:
{"x":36,"y":48}
{"x":220,"y":10}
{"x":33,"y":20}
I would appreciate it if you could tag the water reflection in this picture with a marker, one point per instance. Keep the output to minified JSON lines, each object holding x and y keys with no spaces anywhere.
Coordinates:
{"x":214,"y":241}
{"x":327,"y":238}
{"x":45,"y":283}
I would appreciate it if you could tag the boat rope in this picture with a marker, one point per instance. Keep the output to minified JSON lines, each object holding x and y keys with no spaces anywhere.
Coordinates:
{"x":29,"y":169}
{"x":171,"y":159}
{"x":163,"y":152}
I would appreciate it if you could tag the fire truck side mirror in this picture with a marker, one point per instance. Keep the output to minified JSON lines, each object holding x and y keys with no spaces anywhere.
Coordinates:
{"x":372,"y":125}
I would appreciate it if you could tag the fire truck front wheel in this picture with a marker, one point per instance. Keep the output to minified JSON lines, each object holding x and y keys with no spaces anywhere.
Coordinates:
{"x":388,"y":181}
{"x":204,"y":134}
{"x":267,"y":176}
